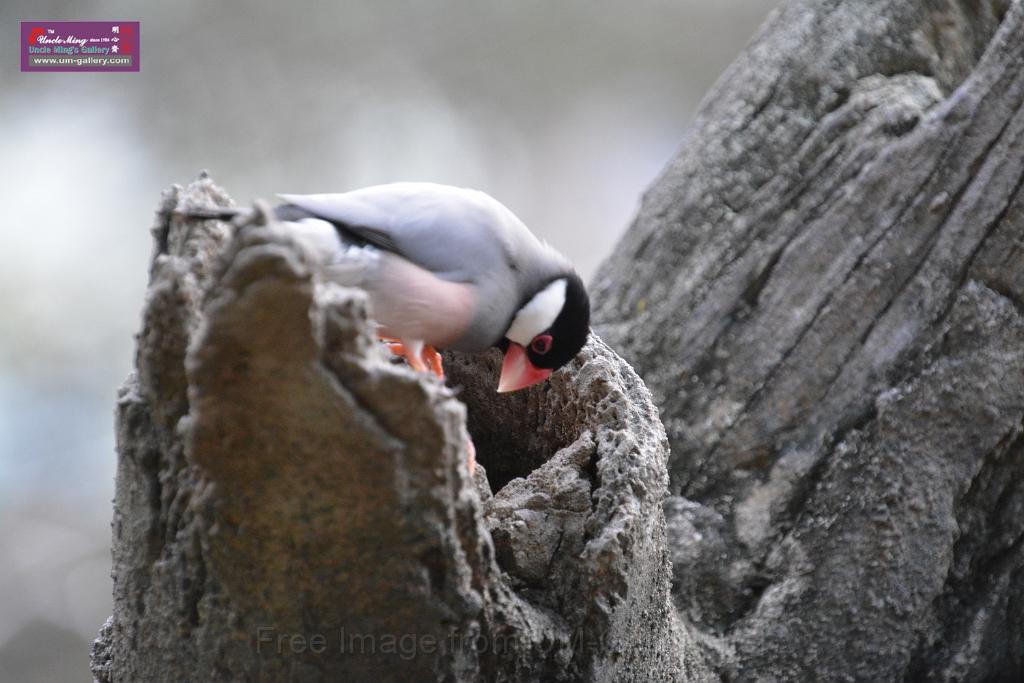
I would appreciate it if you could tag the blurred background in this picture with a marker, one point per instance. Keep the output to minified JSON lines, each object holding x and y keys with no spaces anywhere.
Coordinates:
{"x":564,"y":111}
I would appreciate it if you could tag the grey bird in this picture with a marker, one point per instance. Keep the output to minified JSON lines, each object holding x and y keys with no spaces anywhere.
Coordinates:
{"x":448,"y":268}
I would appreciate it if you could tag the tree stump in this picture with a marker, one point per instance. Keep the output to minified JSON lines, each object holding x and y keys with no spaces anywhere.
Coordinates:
{"x":290,"y":505}
{"x":824,"y":294}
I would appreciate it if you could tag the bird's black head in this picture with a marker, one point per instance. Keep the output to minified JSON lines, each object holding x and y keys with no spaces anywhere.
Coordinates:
{"x":548,"y":330}
{"x":568,"y":333}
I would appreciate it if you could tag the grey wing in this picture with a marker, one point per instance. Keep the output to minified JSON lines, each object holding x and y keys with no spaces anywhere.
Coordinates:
{"x":460,"y":235}
{"x":294,"y":212}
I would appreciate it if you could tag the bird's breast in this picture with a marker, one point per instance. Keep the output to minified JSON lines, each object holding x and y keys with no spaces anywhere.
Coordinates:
{"x":410,"y":302}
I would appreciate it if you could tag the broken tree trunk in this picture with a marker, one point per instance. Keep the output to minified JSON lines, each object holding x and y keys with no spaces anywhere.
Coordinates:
{"x":824,"y":292}
{"x":290,"y":505}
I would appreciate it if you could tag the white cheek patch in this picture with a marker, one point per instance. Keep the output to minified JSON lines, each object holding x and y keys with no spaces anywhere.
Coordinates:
{"x":538,"y":314}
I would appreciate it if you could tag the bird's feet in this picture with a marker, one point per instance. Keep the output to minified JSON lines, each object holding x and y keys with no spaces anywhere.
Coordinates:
{"x":421,"y":357}
{"x":425,"y":358}
{"x":470,"y":455}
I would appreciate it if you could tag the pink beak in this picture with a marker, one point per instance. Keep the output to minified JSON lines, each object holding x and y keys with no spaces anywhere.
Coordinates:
{"x":517,"y":372}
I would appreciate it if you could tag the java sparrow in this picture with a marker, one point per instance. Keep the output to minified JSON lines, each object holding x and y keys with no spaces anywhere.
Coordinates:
{"x":450,"y":268}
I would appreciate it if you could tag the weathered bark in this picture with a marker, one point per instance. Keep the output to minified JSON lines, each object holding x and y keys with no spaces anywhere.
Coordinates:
{"x":824,"y":293}
{"x":290,"y":505}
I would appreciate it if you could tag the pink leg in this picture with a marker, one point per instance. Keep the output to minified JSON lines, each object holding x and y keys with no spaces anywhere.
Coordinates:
{"x":429,"y":360}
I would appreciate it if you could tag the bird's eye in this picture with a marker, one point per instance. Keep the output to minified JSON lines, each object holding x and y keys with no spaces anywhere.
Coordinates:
{"x":541,"y":344}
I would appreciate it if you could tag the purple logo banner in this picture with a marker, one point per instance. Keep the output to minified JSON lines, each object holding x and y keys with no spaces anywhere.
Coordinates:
{"x":79,"y":46}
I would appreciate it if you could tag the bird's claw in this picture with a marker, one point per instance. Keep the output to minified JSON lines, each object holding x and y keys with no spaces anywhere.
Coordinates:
{"x":470,"y":455}
{"x":427,"y":359}
{"x":424,"y":359}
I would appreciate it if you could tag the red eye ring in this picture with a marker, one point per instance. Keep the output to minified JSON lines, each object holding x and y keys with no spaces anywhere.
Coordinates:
{"x":541,"y":344}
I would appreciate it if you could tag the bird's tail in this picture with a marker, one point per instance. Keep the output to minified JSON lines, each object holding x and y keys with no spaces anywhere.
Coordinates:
{"x":339,"y":261}
{"x":238,"y":214}
{"x":221,"y":213}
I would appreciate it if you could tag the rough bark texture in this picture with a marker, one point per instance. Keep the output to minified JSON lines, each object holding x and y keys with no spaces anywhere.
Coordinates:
{"x":824,"y":293}
{"x":291,"y":505}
